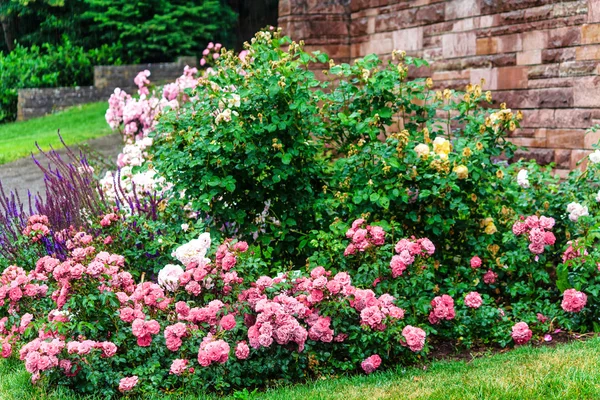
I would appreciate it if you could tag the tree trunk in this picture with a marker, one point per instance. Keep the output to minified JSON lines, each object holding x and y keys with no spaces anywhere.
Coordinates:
{"x":8,"y":29}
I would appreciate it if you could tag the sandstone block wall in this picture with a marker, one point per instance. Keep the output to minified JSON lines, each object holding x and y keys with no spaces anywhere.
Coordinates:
{"x":38,"y":102}
{"x":539,"y":56}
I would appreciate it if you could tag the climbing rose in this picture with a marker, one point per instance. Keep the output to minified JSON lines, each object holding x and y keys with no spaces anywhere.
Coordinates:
{"x":521,"y":333}
{"x":178,"y":366}
{"x":370,"y":364}
{"x":573,"y":300}
{"x":475,"y":262}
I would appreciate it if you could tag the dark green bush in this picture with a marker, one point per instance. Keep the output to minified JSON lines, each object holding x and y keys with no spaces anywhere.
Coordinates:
{"x":47,"y":66}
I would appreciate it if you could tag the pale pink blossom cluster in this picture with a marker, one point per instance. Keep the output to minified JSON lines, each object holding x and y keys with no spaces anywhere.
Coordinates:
{"x":143,"y":331}
{"x":375,"y":311}
{"x":169,"y":275}
{"x":573,"y":300}
{"x":242,"y":351}
{"x":174,"y":335}
{"x":473,"y":300}
{"x":108,"y":219}
{"x":213,"y":351}
{"x":141,"y":80}
{"x":37,"y":227}
{"x":442,"y":309}
{"x":407,"y":250}
{"x":16,"y":283}
{"x":41,"y":355}
{"x":277,"y":320}
{"x":178,"y":366}
{"x":370,"y":364}
{"x":363,"y":237}
{"x":414,"y":337}
{"x":521,"y":333}
{"x":538,"y":230}
{"x":128,"y":383}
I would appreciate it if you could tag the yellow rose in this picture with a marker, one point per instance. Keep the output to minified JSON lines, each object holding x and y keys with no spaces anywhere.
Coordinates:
{"x":490,"y":229}
{"x":461,"y":171}
{"x":422,"y":150}
{"x":441,"y":145}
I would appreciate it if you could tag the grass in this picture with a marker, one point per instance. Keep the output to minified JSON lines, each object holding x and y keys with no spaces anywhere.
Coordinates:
{"x":76,"y":124}
{"x":568,"y":371}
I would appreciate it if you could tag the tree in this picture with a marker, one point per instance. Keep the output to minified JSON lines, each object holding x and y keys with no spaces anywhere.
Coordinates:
{"x":160,"y":30}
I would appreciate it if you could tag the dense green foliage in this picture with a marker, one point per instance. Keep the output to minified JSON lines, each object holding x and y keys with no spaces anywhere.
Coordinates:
{"x":46,"y":66}
{"x":179,"y":28}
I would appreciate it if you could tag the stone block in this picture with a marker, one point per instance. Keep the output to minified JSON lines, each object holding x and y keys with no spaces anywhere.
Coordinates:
{"x":587,"y":92}
{"x":459,"y":44}
{"x":510,"y":43}
{"x":379,"y":43}
{"x":431,"y":14}
{"x":458,"y":9}
{"x":572,"y":118}
{"x":538,"y":118}
{"x":542,"y":156}
{"x":490,"y":75}
{"x":559,"y":55}
{"x":593,"y":11}
{"x":487,"y":45}
{"x":408,"y":39}
{"x":565,"y":138}
{"x":564,"y":37}
{"x":579,"y":159}
{"x":589,"y":52}
{"x":590,"y":33}
{"x":529,"y":57}
{"x":578,"y":68}
{"x":543,"y":71}
{"x":562,"y":158}
{"x":512,"y":78}
{"x":535,"y":40}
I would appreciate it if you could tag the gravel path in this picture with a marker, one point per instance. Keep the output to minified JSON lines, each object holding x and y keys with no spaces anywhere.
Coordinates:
{"x":24,"y":175}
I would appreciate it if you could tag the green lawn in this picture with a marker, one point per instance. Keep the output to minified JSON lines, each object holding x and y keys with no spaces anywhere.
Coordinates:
{"x":76,"y":124}
{"x":567,"y":371}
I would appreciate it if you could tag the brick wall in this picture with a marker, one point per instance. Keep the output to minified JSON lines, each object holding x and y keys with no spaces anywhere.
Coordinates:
{"x":540,"y":56}
{"x":38,"y":102}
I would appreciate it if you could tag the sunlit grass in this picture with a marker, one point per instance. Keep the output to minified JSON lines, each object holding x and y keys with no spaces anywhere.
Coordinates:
{"x":76,"y":124}
{"x":568,"y":371}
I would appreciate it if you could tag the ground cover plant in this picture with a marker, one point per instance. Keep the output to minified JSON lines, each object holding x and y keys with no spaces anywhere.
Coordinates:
{"x":76,"y":124}
{"x":265,"y":227}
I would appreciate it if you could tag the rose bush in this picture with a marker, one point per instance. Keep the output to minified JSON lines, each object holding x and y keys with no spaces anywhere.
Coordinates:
{"x":361,"y":219}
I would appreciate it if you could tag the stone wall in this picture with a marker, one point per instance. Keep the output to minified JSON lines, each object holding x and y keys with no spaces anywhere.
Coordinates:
{"x":540,"y":56}
{"x":38,"y":102}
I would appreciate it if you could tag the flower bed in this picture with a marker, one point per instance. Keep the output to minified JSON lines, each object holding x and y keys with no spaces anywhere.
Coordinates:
{"x":264,"y":226}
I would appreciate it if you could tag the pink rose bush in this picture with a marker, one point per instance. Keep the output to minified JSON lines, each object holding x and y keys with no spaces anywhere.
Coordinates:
{"x":205,"y":306}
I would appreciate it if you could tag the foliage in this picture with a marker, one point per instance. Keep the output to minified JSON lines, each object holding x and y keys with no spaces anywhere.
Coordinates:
{"x":361,"y":219}
{"x":175,"y":28}
{"x":45,"y":66}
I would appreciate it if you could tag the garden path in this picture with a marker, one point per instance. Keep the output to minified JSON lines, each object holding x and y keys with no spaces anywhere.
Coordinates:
{"x":23,"y":175}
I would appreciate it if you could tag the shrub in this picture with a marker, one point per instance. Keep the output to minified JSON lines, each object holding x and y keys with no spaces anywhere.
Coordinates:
{"x":46,"y":66}
{"x":415,"y":231}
